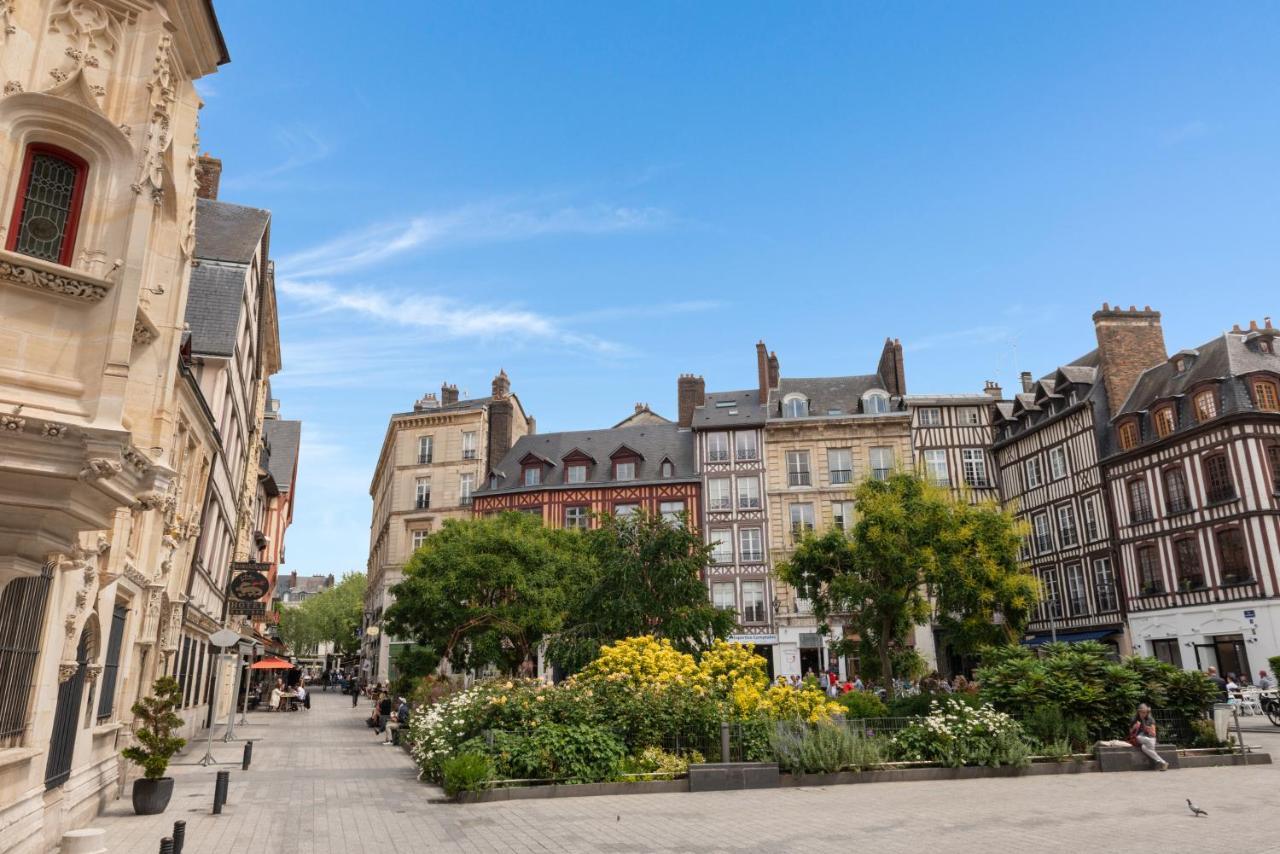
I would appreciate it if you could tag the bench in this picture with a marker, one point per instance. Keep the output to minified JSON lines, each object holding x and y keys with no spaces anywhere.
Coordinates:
{"x":1133,"y":759}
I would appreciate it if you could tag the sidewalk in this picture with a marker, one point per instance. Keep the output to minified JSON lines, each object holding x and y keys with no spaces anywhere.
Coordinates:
{"x":319,"y":782}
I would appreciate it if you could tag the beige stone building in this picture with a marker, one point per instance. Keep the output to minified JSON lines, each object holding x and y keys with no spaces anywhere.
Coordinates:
{"x":431,"y":462}
{"x":104,"y":444}
{"x":822,"y":436}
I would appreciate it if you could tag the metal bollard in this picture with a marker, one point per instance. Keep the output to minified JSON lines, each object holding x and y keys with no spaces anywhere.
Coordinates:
{"x":166,"y":846}
{"x":248,"y":755}
{"x":724,"y":741}
{"x":220,"y":791}
{"x":179,"y":836}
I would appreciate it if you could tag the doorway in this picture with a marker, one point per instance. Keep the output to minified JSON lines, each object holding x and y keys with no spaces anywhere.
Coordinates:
{"x":1232,"y":657}
{"x":766,"y":652}
{"x":810,"y":661}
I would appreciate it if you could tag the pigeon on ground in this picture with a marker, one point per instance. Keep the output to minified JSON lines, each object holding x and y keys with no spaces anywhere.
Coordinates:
{"x":1195,"y":810}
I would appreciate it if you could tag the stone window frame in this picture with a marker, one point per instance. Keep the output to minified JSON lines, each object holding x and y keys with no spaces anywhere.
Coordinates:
{"x":71,"y":230}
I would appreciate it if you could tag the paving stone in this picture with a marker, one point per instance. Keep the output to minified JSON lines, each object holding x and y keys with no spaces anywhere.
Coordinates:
{"x":321,"y":784}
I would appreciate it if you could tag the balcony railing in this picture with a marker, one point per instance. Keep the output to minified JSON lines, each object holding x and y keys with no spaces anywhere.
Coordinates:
{"x":842,"y":475}
{"x":422,"y":503}
{"x":798,"y":478}
{"x":469,"y":454}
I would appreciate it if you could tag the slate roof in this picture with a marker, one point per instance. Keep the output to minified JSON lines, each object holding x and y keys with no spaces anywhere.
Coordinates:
{"x":1082,"y":371}
{"x":214,"y":302}
{"x":826,"y":393}
{"x":1228,"y":356}
{"x":284,"y":438}
{"x":469,"y":403}
{"x":746,"y":411}
{"x":654,"y":442}
{"x":227,"y":232}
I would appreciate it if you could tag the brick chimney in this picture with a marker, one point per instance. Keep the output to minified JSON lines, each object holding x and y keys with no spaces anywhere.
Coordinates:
{"x":762,"y":371}
{"x":1025,"y":379}
{"x":208,"y":176}
{"x":891,"y":369}
{"x":501,"y":420}
{"x":691,"y":391}
{"x":1129,"y":341}
{"x":448,"y":394}
{"x":773,"y":369}
{"x":992,"y":389}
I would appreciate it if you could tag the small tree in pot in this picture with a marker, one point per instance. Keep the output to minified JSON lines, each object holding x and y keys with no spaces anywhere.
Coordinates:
{"x":155,"y":722}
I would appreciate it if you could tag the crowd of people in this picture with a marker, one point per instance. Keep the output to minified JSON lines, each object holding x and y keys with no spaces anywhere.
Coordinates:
{"x":833,"y":686}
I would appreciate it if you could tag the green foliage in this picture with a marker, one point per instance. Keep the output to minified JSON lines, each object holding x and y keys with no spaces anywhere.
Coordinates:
{"x":332,"y":615}
{"x":862,"y":704}
{"x":644,"y":578}
{"x":466,"y":772}
{"x":654,"y":763}
{"x":919,"y":705}
{"x":1205,"y":734}
{"x":824,"y":748}
{"x":1086,"y":686}
{"x":1274,"y":663}
{"x":1050,"y":729}
{"x":956,"y":734}
{"x":487,"y":591}
{"x":912,"y":537}
{"x":155,"y":722}
{"x":411,"y":664}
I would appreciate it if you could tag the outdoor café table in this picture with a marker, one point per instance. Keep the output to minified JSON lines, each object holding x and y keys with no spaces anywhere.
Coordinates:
{"x":290,"y":701}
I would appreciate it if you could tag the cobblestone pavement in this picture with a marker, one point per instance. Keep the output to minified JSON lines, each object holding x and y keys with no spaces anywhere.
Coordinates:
{"x":320,"y":783}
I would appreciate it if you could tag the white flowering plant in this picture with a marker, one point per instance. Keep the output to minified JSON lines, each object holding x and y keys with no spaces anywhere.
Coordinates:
{"x":954,"y":734}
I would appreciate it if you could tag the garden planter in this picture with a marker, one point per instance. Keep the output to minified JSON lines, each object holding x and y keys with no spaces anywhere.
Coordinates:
{"x":151,"y":797}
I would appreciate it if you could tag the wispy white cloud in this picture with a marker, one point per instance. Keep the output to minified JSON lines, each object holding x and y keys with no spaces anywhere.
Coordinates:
{"x":300,"y":147}
{"x":470,"y":224}
{"x":956,"y":337}
{"x":1185,"y":132}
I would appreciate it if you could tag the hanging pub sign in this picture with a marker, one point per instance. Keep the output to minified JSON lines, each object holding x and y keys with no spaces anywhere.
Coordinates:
{"x":249,"y":581}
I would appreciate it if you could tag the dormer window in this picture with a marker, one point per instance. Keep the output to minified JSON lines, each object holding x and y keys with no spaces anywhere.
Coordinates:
{"x":47,"y":212}
{"x":1206,"y":405}
{"x":1264,"y":395}
{"x":668,"y":470}
{"x":532,"y":475}
{"x":1128,"y":435}
{"x":575,"y":473}
{"x":1265,"y":346}
{"x":1180,"y":364}
{"x":624,"y":470}
{"x":1163,"y":421}
{"x":493,"y":481}
{"x":795,"y":406}
{"x":875,"y":403}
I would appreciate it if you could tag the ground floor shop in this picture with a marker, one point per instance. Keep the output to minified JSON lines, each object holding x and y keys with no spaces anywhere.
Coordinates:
{"x":1236,"y":637}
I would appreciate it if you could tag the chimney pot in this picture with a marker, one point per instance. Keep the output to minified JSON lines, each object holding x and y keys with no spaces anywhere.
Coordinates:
{"x":1106,"y":307}
{"x":1235,"y":327}
{"x":1267,"y":321}
{"x":691,"y":392}
{"x":1128,"y":344}
{"x":208,"y":176}
{"x":762,"y":371}
{"x":1253,"y":326}
{"x":1025,"y":377}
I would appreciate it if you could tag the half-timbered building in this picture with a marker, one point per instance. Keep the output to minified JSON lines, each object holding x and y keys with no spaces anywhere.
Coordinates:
{"x":1046,"y":452}
{"x":951,"y":435}
{"x":1193,"y":468}
{"x":728,"y":430}
{"x":567,"y":479}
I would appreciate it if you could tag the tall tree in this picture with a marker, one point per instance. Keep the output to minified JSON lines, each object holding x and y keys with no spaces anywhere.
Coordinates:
{"x":646,"y":579}
{"x":912,"y":539}
{"x":332,"y":615}
{"x":487,"y":591}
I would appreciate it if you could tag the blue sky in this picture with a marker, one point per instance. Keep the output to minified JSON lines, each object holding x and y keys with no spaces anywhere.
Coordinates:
{"x":598,"y":197}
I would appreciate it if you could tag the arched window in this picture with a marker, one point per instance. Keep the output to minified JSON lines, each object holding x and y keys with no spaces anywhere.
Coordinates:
{"x":1206,"y":404}
{"x":795,"y":407}
{"x":875,"y":403}
{"x":46,"y":213}
{"x":1163,"y":420}
{"x":1264,"y":395}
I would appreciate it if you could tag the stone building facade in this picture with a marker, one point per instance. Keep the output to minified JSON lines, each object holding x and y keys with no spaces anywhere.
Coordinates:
{"x":104,"y":440}
{"x":821,"y":437}
{"x":432,"y":461}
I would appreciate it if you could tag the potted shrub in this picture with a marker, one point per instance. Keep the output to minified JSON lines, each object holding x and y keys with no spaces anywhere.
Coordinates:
{"x":155,"y":721}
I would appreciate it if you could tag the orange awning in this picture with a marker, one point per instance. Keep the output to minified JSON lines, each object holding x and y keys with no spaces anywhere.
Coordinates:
{"x":272,"y":664}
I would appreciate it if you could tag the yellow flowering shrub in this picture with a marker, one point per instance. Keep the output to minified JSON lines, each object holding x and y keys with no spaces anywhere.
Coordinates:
{"x":784,"y":703}
{"x":726,"y":666}
{"x":644,"y":662}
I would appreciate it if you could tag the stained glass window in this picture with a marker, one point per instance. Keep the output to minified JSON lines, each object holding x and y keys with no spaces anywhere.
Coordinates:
{"x":47,"y":208}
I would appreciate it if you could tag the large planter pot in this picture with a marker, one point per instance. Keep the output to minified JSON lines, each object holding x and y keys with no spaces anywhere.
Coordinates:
{"x":151,"y":797}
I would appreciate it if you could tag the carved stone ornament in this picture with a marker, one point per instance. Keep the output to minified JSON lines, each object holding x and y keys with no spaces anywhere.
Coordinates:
{"x":12,"y":423}
{"x":154,"y":500}
{"x":143,"y":334}
{"x":135,"y":576}
{"x":92,"y":672}
{"x":91,"y":34}
{"x":100,"y":468}
{"x":12,"y":87}
{"x":67,"y":669}
{"x":57,"y":283}
{"x":7,"y":27}
{"x":54,"y":431}
{"x":137,"y":459}
{"x":159,"y":135}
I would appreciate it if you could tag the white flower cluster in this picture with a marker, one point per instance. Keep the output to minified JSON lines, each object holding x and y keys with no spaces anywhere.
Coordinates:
{"x":437,"y":729}
{"x":956,"y":720}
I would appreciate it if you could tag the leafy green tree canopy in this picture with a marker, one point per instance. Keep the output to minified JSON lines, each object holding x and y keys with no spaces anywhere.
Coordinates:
{"x":645,"y":579}
{"x":330,"y":616}
{"x":487,"y":591}
{"x":913,"y":539}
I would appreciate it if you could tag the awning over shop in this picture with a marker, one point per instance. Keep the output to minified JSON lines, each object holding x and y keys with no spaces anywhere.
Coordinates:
{"x":1070,"y":637}
{"x":272,"y":664}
